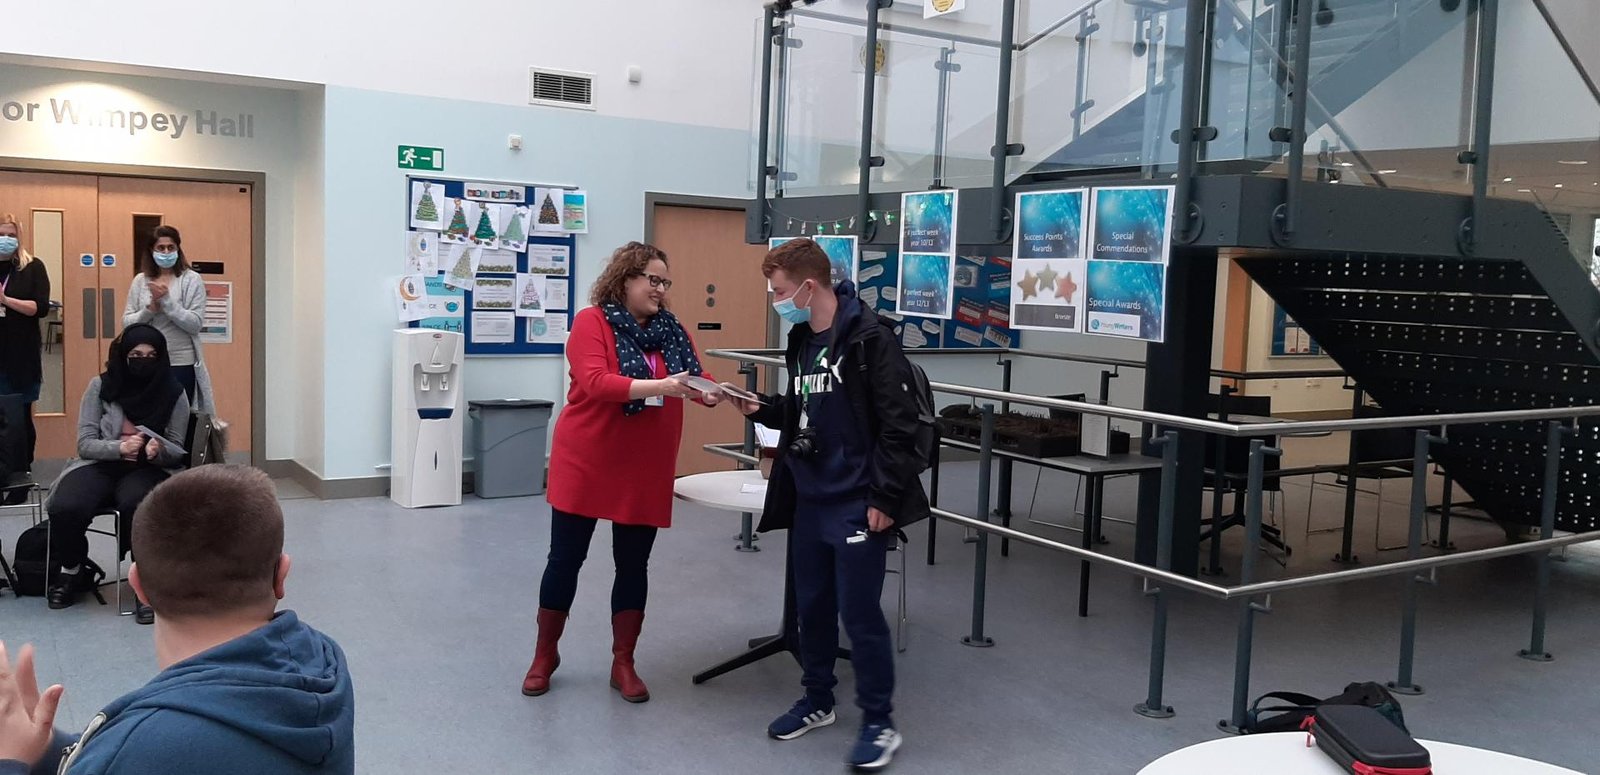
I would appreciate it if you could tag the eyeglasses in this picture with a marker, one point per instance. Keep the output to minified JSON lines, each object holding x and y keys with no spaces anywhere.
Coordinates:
{"x":657,"y":281}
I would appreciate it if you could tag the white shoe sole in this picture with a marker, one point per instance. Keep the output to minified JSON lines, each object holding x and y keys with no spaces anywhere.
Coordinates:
{"x":883,"y":758}
{"x":826,"y":721}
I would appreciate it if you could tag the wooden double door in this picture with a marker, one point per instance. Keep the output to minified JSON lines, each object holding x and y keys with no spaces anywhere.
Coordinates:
{"x":90,"y":232}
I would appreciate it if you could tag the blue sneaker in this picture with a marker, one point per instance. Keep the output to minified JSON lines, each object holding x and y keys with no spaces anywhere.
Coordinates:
{"x":800,"y":719}
{"x":875,"y":748}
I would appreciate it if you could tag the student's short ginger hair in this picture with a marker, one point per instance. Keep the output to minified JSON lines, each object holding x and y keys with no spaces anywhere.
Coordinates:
{"x":208,"y":541}
{"x":800,"y":260}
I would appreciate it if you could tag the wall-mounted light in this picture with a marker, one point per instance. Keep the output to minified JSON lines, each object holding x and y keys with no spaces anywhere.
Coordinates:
{"x":1573,"y":162}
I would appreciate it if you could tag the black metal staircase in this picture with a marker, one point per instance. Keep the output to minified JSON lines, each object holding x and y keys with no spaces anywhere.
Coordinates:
{"x":1433,"y":335}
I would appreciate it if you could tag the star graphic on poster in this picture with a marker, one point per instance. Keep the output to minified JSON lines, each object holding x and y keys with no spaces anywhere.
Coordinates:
{"x":1048,"y":278}
{"x":1029,"y":285}
{"x":1065,"y":287}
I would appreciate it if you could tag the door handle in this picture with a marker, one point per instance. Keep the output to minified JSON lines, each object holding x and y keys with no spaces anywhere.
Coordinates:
{"x":88,"y":315}
{"x":108,"y":313}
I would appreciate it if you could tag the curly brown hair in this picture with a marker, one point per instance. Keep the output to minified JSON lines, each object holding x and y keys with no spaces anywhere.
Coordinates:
{"x":627,"y":262}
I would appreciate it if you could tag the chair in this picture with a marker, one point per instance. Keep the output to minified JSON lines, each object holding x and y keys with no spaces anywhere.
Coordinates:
{"x":897,"y":545}
{"x":33,"y":502}
{"x":1376,"y":452}
{"x":53,"y":326}
{"x":115,"y":533}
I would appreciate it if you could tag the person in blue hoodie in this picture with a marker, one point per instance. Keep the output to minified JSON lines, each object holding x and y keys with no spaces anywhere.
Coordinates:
{"x":244,"y":689}
{"x":844,"y":481}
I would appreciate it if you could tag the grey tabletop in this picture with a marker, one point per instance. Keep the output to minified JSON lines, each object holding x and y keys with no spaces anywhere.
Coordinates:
{"x":1126,"y":463}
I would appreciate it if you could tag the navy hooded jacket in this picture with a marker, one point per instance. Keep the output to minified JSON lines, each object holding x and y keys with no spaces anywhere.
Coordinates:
{"x":276,"y":700}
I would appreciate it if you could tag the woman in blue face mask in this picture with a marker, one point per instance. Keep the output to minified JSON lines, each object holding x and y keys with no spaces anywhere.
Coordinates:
{"x":24,"y":300}
{"x":172,"y":297}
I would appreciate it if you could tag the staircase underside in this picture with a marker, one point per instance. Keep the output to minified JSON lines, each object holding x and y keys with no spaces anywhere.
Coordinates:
{"x":1428,"y":335}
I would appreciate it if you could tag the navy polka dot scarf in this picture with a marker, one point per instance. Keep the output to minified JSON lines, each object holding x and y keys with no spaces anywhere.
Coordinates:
{"x":663,"y":334}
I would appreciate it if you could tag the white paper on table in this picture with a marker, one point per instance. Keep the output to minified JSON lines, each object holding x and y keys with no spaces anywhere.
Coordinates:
{"x":432,"y":194}
{"x":531,"y":296}
{"x":422,"y":252}
{"x":495,"y":293}
{"x":463,"y":266}
{"x":555,"y":293}
{"x":494,"y":328}
{"x":552,"y":260}
{"x":753,"y":489}
{"x":550,"y":329}
{"x":546,"y":209}
{"x":766,"y":437}
{"x":410,"y":298}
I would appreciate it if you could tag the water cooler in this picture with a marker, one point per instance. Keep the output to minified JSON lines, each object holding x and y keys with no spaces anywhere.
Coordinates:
{"x":429,"y":413}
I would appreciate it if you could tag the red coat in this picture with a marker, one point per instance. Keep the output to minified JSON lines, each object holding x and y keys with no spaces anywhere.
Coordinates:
{"x":605,"y":464}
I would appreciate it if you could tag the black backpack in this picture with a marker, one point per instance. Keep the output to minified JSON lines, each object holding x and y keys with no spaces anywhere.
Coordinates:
{"x":1296,"y":707}
{"x":32,"y":577}
{"x":927,"y":438}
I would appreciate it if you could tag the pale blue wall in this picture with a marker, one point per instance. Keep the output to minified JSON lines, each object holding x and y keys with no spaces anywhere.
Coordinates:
{"x":617,"y":160}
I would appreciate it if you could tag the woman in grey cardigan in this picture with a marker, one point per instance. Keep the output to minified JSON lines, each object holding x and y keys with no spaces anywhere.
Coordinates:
{"x":131,"y":431}
{"x":170,"y":295}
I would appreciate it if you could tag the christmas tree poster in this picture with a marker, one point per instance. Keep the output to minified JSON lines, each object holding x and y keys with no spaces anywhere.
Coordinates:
{"x":485,"y":232}
{"x":460,"y":215}
{"x":547,"y":204}
{"x":463,"y":263}
{"x":531,"y":297}
{"x":426,"y":201}
{"x":513,"y":227}
{"x":422,"y":252}
{"x":575,"y":212}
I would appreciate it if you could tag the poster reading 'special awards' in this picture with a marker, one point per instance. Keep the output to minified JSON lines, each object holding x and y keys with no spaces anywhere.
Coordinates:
{"x":927,"y":254}
{"x":1130,"y":241}
{"x":1048,"y":267}
{"x":842,"y":254}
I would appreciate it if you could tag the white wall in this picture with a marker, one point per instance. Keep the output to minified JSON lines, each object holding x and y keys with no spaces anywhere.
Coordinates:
{"x":696,"y":54}
{"x":1288,"y":395}
{"x":301,"y":312}
{"x":277,"y":149}
{"x":617,"y":160}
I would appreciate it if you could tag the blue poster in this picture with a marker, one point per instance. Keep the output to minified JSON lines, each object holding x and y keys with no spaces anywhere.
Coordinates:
{"x":450,"y":302}
{"x":841,"y":252}
{"x":926,"y":285}
{"x":1131,"y":224}
{"x":1050,"y":224}
{"x":928,"y":223}
{"x":1127,"y":299}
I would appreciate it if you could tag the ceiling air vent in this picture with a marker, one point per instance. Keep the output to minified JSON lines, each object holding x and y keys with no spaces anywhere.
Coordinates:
{"x":560,"y":88}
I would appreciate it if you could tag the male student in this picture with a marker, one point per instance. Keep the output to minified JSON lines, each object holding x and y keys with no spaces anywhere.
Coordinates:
{"x":243,"y":689}
{"x":844,"y":480}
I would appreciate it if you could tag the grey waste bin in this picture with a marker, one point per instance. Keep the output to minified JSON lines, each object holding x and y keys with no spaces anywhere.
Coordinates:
{"x":510,"y":447}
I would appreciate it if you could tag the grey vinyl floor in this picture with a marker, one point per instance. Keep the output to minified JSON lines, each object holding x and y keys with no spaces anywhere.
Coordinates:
{"x":435,"y":610}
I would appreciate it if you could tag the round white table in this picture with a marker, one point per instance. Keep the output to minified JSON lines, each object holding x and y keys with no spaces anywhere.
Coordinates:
{"x":1285,"y":753}
{"x":725,"y":490}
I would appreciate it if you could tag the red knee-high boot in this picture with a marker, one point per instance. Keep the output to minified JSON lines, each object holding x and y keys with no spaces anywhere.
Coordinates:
{"x":545,"y":657}
{"x":624,"y":636}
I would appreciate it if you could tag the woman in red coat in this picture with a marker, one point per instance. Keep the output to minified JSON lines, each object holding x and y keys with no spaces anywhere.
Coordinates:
{"x":615,"y":452}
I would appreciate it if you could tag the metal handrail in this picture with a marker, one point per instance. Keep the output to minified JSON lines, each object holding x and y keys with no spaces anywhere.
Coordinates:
{"x":1226,"y":428}
{"x":1269,"y":587}
{"x":954,"y":37}
{"x":1125,"y":363}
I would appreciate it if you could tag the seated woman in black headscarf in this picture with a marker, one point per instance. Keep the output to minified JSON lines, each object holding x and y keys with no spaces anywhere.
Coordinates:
{"x":131,"y":429}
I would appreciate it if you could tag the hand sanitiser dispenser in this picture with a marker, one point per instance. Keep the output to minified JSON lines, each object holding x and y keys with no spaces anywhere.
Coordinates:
{"x":429,"y":411}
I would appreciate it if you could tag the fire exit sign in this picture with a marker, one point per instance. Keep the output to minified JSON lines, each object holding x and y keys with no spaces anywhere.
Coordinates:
{"x":416,"y":157}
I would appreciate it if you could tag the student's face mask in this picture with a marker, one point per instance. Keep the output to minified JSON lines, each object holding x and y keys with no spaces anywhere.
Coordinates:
{"x":790,"y":312}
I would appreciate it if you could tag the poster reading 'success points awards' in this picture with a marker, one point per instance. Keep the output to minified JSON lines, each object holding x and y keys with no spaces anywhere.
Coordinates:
{"x":927,"y":254}
{"x":841,"y":250}
{"x":1131,"y":233}
{"x":1048,"y":267}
